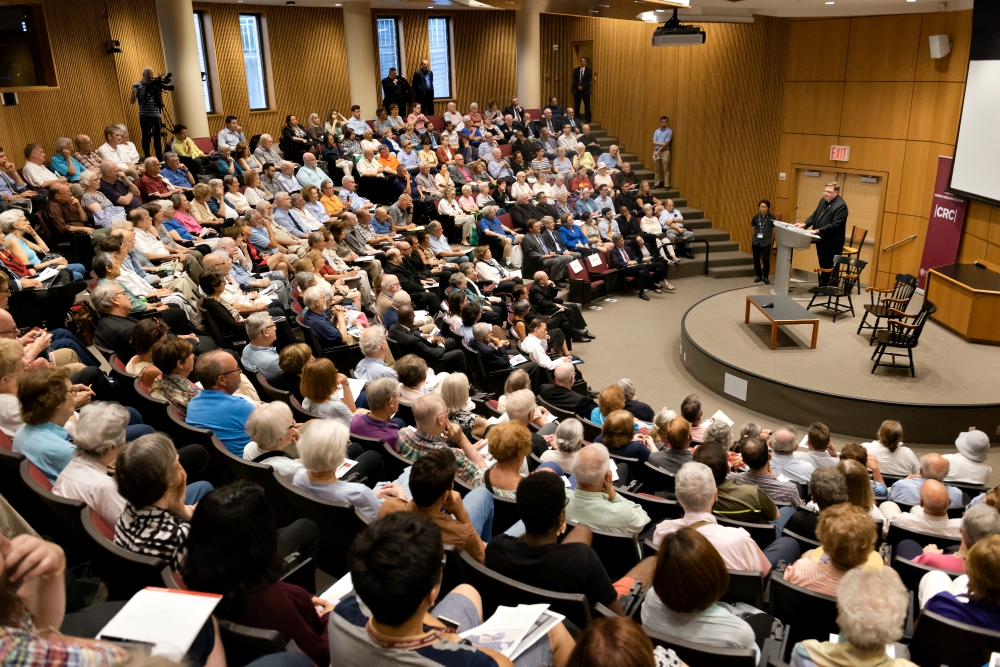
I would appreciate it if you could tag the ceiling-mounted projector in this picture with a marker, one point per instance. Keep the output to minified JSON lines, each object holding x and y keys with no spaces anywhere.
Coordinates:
{"x":672,"y":33}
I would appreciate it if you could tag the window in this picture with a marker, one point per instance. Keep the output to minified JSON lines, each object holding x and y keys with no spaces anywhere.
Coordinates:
{"x":439,"y":35}
{"x":388,"y":45}
{"x":206,"y":79}
{"x":253,"y":60}
{"x":26,"y":57}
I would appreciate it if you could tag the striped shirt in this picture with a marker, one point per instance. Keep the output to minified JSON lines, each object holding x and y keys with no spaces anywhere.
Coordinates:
{"x":413,"y":443}
{"x":785,"y":493}
{"x":19,"y":645}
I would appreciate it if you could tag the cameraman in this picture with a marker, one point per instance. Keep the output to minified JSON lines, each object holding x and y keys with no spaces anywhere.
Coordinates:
{"x":148,"y":97}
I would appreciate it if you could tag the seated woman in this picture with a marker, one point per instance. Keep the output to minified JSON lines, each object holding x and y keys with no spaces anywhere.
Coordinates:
{"x":18,"y":234}
{"x":859,"y":488}
{"x":232,"y":550}
{"x":619,"y":435}
{"x":871,"y":611}
{"x":491,"y":271}
{"x":327,"y":392}
{"x":645,"y":194}
{"x":174,"y":357}
{"x":517,"y":381}
{"x":34,"y":594}
{"x":593,"y":233}
{"x":583,"y":160}
{"x":847,"y":536}
{"x":569,"y":440}
{"x":145,"y":335}
{"x":322,"y":450}
{"x":292,"y":360}
{"x":509,"y":444}
{"x":453,"y":316}
{"x":184,"y":216}
{"x":573,"y":236}
{"x":610,"y":399}
{"x":562,"y":164}
{"x":412,"y":372}
{"x":225,"y":316}
{"x":272,"y":428}
{"x":200,"y":210}
{"x":99,"y":437}
{"x":455,"y":392}
{"x":493,"y":312}
{"x":980,"y":605}
{"x":310,"y":198}
{"x":234,"y":198}
{"x":689,"y":579}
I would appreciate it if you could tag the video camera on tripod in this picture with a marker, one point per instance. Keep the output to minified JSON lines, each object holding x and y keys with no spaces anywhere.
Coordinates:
{"x":157,"y":85}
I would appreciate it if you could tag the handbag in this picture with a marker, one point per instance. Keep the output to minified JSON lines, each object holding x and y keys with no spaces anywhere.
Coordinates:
{"x":516,"y":257}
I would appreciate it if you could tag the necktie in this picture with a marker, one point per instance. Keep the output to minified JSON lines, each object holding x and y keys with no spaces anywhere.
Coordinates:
{"x":550,"y":125}
{"x":581,"y":75}
{"x":541,"y":242}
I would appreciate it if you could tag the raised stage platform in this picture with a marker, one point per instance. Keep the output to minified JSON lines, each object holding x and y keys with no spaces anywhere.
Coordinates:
{"x":956,"y":386}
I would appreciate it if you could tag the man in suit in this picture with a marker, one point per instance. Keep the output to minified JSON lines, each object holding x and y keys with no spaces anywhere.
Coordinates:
{"x":395,"y":90}
{"x":514,"y":110}
{"x":582,"y":76}
{"x":508,"y":127}
{"x":549,"y":122}
{"x":459,"y":173}
{"x":552,"y":237}
{"x":557,"y":111}
{"x":411,"y":282}
{"x":495,"y":355}
{"x":561,"y":394}
{"x":625,"y":261}
{"x":423,"y":88}
{"x":430,"y":349}
{"x":523,"y":212}
{"x":534,"y":246}
{"x":543,"y":300}
{"x":546,"y":210}
{"x":830,"y":222}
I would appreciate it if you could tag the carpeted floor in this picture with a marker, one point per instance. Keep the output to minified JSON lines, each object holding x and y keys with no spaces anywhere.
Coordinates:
{"x":640,"y":340}
{"x":948,"y":369}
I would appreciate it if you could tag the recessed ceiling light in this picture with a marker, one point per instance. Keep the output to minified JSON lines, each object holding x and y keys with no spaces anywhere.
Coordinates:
{"x":829,"y":3}
{"x":660,"y":11}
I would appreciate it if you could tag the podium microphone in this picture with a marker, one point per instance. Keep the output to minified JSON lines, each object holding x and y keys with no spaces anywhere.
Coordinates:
{"x":770,"y":305}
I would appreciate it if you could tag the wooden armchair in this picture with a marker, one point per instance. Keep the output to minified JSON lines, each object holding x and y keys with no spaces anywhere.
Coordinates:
{"x":882,"y":300}
{"x":901,"y":335}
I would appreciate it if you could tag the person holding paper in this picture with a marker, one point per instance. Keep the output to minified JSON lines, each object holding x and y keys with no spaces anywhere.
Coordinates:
{"x":34,"y":594}
{"x":323,"y":448}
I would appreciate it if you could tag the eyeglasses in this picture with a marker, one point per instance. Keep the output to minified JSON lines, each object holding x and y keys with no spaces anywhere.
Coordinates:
{"x":236,"y":370}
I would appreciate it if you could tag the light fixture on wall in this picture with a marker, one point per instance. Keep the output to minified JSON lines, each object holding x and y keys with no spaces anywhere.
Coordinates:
{"x":113,"y":46}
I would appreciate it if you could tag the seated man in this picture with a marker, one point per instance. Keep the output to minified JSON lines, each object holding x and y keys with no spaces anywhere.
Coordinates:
{"x":411,"y":282}
{"x":429,"y":348}
{"x":758,"y":459}
{"x":216,"y":408}
{"x":432,"y":482}
{"x":639,"y":410}
{"x":375,"y":346}
{"x":968,"y":466}
{"x":378,"y":422}
{"x":545,"y":302}
{"x":827,"y":487}
{"x":932,"y":467}
{"x":695,"y":490}
{"x":821,"y":452}
{"x":930,"y":517}
{"x":978,"y":523}
{"x":784,"y":464}
{"x":65,"y":212}
{"x":739,"y":502}
{"x":264,"y":151}
{"x":177,"y":174}
{"x":433,"y":432}
{"x":494,"y":354}
{"x":399,"y":601}
{"x":330,"y":329}
{"x":561,"y":394}
{"x":674,"y":457}
{"x":260,"y":355}
{"x":673,"y":224}
{"x":286,"y":177}
{"x":309,"y":173}
{"x":152,"y":184}
{"x":539,"y":558}
{"x":35,"y":172}
{"x":595,"y":503}
{"x":288,"y":217}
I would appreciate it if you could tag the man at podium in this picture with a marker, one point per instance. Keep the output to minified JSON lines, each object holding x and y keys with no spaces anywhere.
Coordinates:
{"x":830,"y":222}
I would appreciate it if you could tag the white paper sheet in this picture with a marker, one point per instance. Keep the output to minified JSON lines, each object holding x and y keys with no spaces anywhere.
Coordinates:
{"x":595,"y":259}
{"x":167,"y":618}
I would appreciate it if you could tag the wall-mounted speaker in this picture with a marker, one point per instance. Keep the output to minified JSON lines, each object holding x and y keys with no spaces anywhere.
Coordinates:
{"x":8,"y":99}
{"x":940,"y":46}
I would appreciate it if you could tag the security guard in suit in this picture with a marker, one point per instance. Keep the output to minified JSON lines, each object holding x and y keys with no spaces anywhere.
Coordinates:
{"x":830,"y":222}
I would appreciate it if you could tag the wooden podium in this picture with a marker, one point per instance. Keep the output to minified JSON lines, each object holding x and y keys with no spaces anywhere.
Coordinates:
{"x":967,"y":297}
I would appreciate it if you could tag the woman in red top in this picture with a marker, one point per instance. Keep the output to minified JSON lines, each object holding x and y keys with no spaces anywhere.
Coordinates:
{"x":232,"y":550}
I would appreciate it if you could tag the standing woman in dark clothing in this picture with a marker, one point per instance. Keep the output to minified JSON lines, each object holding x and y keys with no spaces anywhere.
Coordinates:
{"x":294,"y":140}
{"x":763,"y":225}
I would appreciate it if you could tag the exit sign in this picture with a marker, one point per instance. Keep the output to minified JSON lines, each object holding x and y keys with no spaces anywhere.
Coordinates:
{"x":840,"y":153}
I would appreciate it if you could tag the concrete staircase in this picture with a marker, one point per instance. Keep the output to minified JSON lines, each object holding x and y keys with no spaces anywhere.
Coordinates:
{"x":724,"y":260}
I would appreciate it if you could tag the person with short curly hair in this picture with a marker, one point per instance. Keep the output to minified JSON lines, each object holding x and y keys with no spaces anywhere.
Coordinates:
{"x":48,"y":401}
{"x":619,"y":435}
{"x":509,"y":444}
{"x":610,"y":399}
{"x":847,"y":537}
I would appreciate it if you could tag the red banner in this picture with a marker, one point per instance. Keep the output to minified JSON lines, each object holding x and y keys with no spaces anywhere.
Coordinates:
{"x":944,"y":229}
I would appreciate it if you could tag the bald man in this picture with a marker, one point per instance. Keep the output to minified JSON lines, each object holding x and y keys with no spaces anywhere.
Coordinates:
{"x":930,"y":517}
{"x":560,"y":393}
{"x":932,"y":467}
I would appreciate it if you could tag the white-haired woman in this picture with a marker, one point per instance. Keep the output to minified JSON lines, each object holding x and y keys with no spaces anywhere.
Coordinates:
{"x":455,"y":392}
{"x":449,"y":206}
{"x":100,"y":434}
{"x":24,"y":243}
{"x":871,"y":610}
{"x":93,"y":200}
{"x":322,"y":450}
{"x":272,"y":428}
{"x":569,"y":440}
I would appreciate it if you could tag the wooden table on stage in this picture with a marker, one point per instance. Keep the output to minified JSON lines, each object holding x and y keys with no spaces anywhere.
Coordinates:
{"x":967,"y":297}
{"x":782,"y":310}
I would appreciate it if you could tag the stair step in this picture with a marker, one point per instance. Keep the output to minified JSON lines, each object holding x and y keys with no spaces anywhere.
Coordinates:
{"x":687,"y":268}
{"x":594,"y":126}
{"x":598,"y":134}
{"x":628,"y":157}
{"x":730,"y":271}
{"x":643,"y":174}
{"x":715,"y":246}
{"x":711,"y":234}
{"x":698,"y":223}
{"x":689,"y":212}
{"x":728,"y":258}
{"x":669,"y":193}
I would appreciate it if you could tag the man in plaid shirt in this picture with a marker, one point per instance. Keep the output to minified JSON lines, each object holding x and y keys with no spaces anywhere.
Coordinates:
{"x":434,"y":431}
{"x":758,"y":460}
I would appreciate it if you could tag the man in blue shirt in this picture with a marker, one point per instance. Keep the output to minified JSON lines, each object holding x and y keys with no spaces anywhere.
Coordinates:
{"x":176,"y":173}
{"x":351,"y":199}
{"x":932,"y":466}
{"x":356,"y":123}
{"x":309,"y":173}
{"x":216,"y":408}
{"x":375,"y":347}
{"x":287,"y":217}
{"x":319,"y":322}
{"x":611,"y":158}
{"x":585,"y":204}
{"x":261,"y":355}
{"x":662,"y":137}
{"x":381,"y":223}
{"x":231,"y":134}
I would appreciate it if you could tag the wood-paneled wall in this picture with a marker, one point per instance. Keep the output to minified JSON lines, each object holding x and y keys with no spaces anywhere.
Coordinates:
{"x":93,"y":86}
{"x":870,"y":83}
{"x":484,"y":57}
{"x":724,"y":100}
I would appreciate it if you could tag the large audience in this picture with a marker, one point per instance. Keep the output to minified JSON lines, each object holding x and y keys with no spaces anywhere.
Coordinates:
{"x":343,"y":303}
